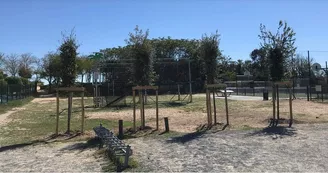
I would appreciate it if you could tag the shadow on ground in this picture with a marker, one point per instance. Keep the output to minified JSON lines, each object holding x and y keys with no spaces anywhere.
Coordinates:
{"x":49,"y":139}
{"x":201,"y":130}
{"x":275,"y":130}
{"x":91,"y":143}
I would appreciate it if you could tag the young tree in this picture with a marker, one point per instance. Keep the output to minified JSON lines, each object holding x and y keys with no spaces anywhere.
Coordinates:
{"x":210,"y":53}
{"x":68,"y":54}
{"x":280,"y":48}
{"x":143,"y":60}
{"x":11,"y":64}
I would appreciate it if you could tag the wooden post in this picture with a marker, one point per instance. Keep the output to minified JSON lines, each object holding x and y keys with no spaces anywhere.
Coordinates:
{"x":143,"y":112}
{"x":214,"y":108}
{"x":69,"y":114}
{"x":157,"y":119}
{"x":277,"y":93}
{"x":290,"y":108}
{"x":179,"y":92}
{"x":134,"y":109}
{"x":120,"y":129}
{"x":226,"y":105}
{"x":166,"y":122}
{"x":274,"y":102}
{"x":57,"y":112}
{"x":141,"y":102}
{"x":83,"y":115}
{"x":207,"y":111}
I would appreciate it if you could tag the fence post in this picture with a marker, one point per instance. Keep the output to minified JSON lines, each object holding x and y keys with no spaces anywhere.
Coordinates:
{"x":307,"y":93}
{"x":7,"y":93}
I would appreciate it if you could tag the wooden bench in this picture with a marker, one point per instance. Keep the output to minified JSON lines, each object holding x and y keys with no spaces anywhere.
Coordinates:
{"x":222,"y":93}
{"x":115,"y":146}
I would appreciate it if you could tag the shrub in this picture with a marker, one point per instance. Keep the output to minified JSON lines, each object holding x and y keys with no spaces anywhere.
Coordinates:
{"x":13,"y":80}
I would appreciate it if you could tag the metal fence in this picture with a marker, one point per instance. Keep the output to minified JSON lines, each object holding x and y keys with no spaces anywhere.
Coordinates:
{"x":11,"y":92}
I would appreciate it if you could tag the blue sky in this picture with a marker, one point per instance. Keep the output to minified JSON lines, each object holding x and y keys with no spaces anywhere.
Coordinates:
{"x":35,"y":26}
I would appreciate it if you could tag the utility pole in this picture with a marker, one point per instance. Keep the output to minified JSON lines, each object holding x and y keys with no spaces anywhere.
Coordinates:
{"x":308,"y":52}
{"x":190,"y":87}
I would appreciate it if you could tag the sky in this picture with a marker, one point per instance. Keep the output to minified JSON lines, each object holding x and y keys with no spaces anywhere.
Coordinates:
{"x":35,"y":26}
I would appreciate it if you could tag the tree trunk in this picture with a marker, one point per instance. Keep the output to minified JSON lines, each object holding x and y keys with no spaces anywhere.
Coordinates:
{"x":82,"y":75}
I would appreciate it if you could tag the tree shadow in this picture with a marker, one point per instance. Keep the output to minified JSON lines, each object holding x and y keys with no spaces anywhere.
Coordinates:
{"x":275,"y":130}
{"x":91,"y":143}
{"x":50,"y":139}
{"x":186,"y":138}
{"x":17,"y":146}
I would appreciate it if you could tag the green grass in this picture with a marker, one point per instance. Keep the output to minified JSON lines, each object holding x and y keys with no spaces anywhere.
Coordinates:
{"x":15,"y":103}
{"x":38,"y":121}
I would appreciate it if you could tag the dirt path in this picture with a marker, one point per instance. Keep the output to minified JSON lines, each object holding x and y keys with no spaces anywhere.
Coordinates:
{"x":56,"y":157}
{"x":302,"y":150}
{"x":4,"y":117}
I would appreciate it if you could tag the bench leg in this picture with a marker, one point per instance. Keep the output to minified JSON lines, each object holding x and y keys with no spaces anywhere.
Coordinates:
{"x":127,"y":155}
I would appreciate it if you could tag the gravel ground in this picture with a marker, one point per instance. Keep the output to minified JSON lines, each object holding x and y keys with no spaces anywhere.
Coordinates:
{"x":301,"y":149}
{"x":55,"y":157}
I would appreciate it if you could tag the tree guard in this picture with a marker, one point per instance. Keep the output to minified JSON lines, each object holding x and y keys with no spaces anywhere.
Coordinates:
{"x":142,"y":106}
{"x":275,"y":102}
{"x":70,"y":90}
{"x":212,"y":88}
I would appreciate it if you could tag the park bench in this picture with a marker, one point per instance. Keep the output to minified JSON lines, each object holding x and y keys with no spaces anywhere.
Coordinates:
{"x":115,"y":146}
{"x":222,"y":93}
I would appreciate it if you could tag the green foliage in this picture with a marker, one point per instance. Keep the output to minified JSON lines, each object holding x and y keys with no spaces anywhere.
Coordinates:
{"x":3,"y":82}
{"x":209,"y":53}
{"x":51,"y":66}
{"x":25,"y":81}
{"x":143,"y":60}
{"x":276,"y":64}
{"x":84,"y":66}
{"x":279,"y":48}
{"x":68,"y":54}
{"x":25,"y":72}
{"x":13,"y":80}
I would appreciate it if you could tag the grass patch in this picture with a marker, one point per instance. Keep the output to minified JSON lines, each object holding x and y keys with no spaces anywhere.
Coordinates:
{"x":38,"y":121}
{"x":13,"y":104}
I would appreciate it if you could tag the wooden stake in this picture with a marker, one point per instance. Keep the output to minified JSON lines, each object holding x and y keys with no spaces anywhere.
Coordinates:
{"x":226,"y":105}
{"x":166,"y":122}
{"x":214,"y":107}
{"x":157,"y":119}
{"x":143,"y":112}
{"x":207,"y":111}
{"x":290,"y":108}
{"x":277,"y":93}
{"x":134,"y":109}
{"x":69,"y":112}
{"x":82,"y":104}
{"x":141,"y":101}
{"x":57,"y":112}
{"x":274,"y":102}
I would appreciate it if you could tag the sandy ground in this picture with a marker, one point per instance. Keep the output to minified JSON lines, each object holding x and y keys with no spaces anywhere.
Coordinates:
{"x":59,"y":157}
{"x":302,"y":149}
{"x":251,"y":113}
{"x":4,"y":118}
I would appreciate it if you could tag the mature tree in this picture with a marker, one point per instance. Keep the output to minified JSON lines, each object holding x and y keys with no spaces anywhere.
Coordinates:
{"x":143,"y":60}
{"x":11,"y":64}
{"x":27,"y":60}
{"x":84,"y":66}
{"x":68,"y":54}
{"x":260,"y":64}
{"x":50,"y":69}
{"x":283,"y":40}
{"x":209,"y":52}
{"x":24,"y":72}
